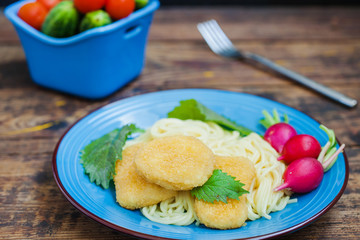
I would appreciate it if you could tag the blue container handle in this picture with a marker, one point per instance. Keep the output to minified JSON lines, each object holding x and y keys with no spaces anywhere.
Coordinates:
{"x":132,"y":31}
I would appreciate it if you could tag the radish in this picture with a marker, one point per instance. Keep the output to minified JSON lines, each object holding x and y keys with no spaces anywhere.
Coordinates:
{"x":307,"y":160}
{"x":303,"y":175}
{"x":278,"y":134}
{"x":300,"y":146}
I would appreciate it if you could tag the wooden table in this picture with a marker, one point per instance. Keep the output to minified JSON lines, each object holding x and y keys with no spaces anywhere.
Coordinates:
{"x":321,"y":43}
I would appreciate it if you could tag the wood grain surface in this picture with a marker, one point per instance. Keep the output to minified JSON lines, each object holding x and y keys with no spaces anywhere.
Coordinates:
{"x":321,"y":43}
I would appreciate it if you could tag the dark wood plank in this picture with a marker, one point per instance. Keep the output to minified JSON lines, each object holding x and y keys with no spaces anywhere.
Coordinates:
{"x":191,"y":65}
{"x":246,"y":23}
{"x":321,"y":43}
{"x":259,"y":23}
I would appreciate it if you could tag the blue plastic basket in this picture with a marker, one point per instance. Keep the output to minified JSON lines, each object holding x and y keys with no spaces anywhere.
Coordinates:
{"x":92,"y":64}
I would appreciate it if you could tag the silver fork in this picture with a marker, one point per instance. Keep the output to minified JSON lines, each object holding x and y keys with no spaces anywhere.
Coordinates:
{"x":220,"y":44}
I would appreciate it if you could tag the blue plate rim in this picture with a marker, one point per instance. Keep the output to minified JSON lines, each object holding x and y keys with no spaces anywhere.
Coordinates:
{"x":147,"y":236}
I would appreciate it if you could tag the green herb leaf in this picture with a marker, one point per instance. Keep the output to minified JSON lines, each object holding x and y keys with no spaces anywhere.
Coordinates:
{"x":219,"y":187}
{"x":270,"y":120}
{"x":192,"y":109}
{"x":99,"y":157}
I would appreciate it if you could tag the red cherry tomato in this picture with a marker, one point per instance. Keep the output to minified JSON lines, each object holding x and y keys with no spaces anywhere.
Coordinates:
{"x":33,"y":13}
{"x":49,"y":4}
{"x":85,"y":6}
{"x":118,"y":9}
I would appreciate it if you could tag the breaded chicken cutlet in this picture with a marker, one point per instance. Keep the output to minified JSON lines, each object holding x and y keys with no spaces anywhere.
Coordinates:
{"x":233,"y":214}
{"x":175,"y":162}
{"x":132,"y":190}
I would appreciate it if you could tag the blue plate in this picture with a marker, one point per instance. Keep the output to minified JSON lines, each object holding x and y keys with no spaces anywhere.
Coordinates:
{"x":144,"y":110}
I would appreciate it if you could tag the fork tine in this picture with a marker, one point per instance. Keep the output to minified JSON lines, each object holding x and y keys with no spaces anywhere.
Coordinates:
{"x":208,"y":37}
{"x":228,"y":49}
{"x":221,"y":36}
{"x":216,"y":38}
{"x":216,"y":32}
{"x":211,"y":36}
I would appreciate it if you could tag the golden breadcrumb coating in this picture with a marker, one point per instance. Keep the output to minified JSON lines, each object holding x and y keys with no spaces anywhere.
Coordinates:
{"x":175,"y":162}
{"x":233,"y":214}
{"x":222,"y":215}
{"x":239,"y":167}
{"x":132,"y":190}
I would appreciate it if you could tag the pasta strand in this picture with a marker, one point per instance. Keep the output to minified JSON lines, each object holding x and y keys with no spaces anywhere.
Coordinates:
{"x":261,"y":200}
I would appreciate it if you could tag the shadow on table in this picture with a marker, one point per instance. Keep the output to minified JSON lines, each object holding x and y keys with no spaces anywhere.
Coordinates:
{"x":15,"y":74}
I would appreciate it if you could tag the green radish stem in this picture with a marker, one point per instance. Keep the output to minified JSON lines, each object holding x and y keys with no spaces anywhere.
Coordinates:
{"x":333,"y":158}
{"x":269,"y":120}
{"x":323,"y":152}
{"x":330,"y":133}
{"x":329,"y":154}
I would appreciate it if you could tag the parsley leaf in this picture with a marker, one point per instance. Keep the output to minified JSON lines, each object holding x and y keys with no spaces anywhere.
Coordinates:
{"x":219,"y":187}
{"x":192,"y":109}
{"x":99,"y":157}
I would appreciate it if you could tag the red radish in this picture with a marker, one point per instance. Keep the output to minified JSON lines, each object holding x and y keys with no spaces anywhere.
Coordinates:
{"x":300,"y":146}
{"x":303,"y":175}
{"x":278,"y":134}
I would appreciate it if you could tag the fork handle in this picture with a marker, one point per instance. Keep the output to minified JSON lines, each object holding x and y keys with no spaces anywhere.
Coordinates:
{"x":330,"y":93}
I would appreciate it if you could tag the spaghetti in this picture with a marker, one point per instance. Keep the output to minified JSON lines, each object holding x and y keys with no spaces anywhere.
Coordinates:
{"x":261,"y":200}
